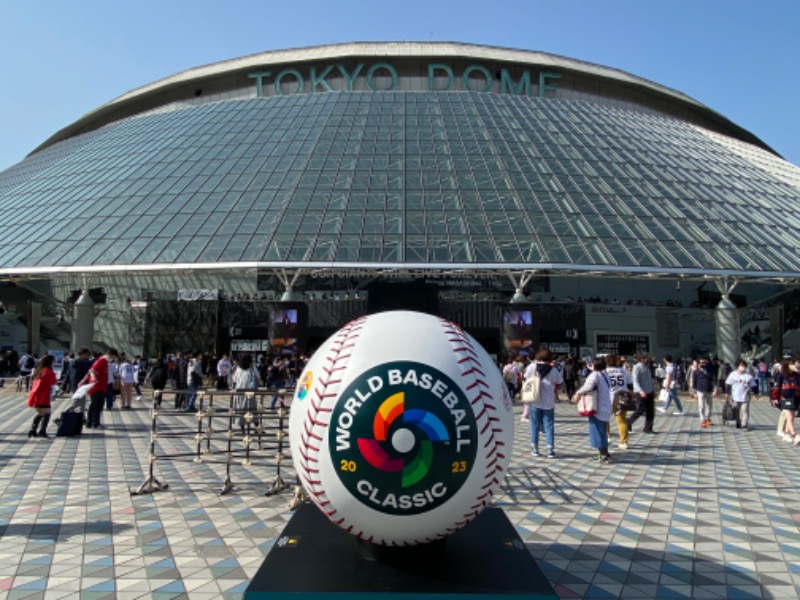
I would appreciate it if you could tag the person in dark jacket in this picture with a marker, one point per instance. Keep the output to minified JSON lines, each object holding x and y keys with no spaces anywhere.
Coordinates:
{"x":79,"y":367}
{"x":704,"y":386}
{"x":158,"y":377}
{"x":570,"y":377}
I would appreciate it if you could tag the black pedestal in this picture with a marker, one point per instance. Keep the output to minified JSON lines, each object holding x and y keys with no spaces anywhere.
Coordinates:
{"x":313,"y":558}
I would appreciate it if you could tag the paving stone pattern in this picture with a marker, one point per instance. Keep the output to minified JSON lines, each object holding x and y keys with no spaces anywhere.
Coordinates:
{"x":686,"y":513}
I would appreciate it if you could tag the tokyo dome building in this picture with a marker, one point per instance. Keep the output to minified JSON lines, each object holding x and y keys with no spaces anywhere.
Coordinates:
{"x":534,"y":199}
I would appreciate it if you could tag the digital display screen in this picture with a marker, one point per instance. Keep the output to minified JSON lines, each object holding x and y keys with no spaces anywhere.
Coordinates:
{"x":283,"y":330}
{"x":518,"y":331}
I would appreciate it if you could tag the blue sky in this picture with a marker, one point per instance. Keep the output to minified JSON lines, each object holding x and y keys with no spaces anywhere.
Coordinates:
{"x":61,"y":59}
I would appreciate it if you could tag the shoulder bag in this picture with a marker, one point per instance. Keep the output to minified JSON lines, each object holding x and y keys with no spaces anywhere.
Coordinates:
{"x":587,"y":403}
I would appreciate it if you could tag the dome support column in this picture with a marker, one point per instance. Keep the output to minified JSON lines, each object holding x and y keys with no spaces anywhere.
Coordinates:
{"x":83,"y":323}
{"x":519,"y":285}
{"x":727,"y":318}
{"x":288,"y":279}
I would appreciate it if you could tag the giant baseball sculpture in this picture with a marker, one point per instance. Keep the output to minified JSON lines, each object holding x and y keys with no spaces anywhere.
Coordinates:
{"x":401,"y":428}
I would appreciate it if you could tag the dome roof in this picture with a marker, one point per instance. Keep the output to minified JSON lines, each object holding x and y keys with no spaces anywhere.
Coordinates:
{"x":404,"y":178}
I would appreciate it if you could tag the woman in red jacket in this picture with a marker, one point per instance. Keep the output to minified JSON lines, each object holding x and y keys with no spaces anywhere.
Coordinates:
{"x":39,"y":398}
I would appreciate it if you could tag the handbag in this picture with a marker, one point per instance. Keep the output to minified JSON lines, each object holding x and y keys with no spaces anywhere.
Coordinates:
{"x":587,"y":404}
{"x":663,"y":395}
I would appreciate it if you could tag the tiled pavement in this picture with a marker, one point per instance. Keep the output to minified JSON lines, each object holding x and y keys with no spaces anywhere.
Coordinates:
{"x":687,"y":513}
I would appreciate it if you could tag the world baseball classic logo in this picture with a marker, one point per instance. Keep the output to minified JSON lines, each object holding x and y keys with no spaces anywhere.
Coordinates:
{"x":403,"y":438}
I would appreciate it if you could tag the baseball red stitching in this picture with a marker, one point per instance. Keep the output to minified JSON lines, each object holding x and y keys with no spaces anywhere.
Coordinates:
{"x":314,"y":426}
{"x":479,"y":386}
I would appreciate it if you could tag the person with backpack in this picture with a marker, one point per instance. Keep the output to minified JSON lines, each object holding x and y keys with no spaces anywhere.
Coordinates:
{"x":541,"y":378}
{"x":671,"y":385}
{"x":621,"y":397}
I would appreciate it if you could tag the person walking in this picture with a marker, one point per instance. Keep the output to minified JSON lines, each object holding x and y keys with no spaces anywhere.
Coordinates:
{"x":570,"y":375}
{"x":43,"y":380}
{"x":542,"y":411}
{"x":786,"y":384}
{"x":3,"y":368}
{"x":245,"y":378}
{"x":27,"y":363}
{"x":704,"y":387}
{"x":739,"y":382}
{"x":127,"y":378}
{"x":762,"y":370}
{"x":194,"y":379}
{"x":223,"y":373}
{"x":510,"y":377}
{"x":643,"y":391}
{"x":158,"y":378}
{"x":140,"y":365}
{"x":671,"y":385}
{"x":598,"y":423}
{"x":620,"y":380}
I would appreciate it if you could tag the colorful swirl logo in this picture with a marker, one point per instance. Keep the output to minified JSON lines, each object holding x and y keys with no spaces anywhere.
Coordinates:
{"x":403,"y":437}
{"x":403,"y":440}
{"x":304,"y":387}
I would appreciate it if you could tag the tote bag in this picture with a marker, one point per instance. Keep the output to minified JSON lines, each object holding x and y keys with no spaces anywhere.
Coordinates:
{"x":587,"y":404}
{"x":530,"y":390}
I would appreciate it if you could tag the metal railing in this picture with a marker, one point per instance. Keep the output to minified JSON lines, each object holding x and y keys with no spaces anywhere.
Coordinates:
{"x":237,"y":425}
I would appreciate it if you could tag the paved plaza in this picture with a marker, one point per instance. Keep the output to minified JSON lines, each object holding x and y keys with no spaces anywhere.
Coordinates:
{"x":686,"y":513}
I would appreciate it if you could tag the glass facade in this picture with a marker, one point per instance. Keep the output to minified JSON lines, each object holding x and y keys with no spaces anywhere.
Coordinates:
{"x":403,"y":178}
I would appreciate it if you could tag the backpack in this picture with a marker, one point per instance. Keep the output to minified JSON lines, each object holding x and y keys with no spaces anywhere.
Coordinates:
{"x":680,"y":374}
{"x":29,"y":362}
{"x":510,"y":376}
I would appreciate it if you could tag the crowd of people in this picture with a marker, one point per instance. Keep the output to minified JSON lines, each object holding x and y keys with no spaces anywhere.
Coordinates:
{"x":628,"y":389}
{"x":625,"y":387}
{"x":102,"y":378}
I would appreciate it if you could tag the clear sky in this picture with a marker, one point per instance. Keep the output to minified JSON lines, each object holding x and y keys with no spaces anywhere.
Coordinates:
{"x":61,"y":59}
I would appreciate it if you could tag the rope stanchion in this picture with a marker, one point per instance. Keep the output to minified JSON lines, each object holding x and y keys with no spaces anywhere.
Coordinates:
{"x":227,"y":485}
{"x":199,"y":436}
{"x":278,"y":484}
{"x":152,"y":484}
{"x":255,"y":433}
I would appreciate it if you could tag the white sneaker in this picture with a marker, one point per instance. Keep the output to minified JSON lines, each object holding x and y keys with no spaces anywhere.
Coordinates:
{"x":138,"y":398}
{"x":788,"y":438}
{"x":678,"y":412}
{"x":622,"y":446}
{"x":662,"y":410}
